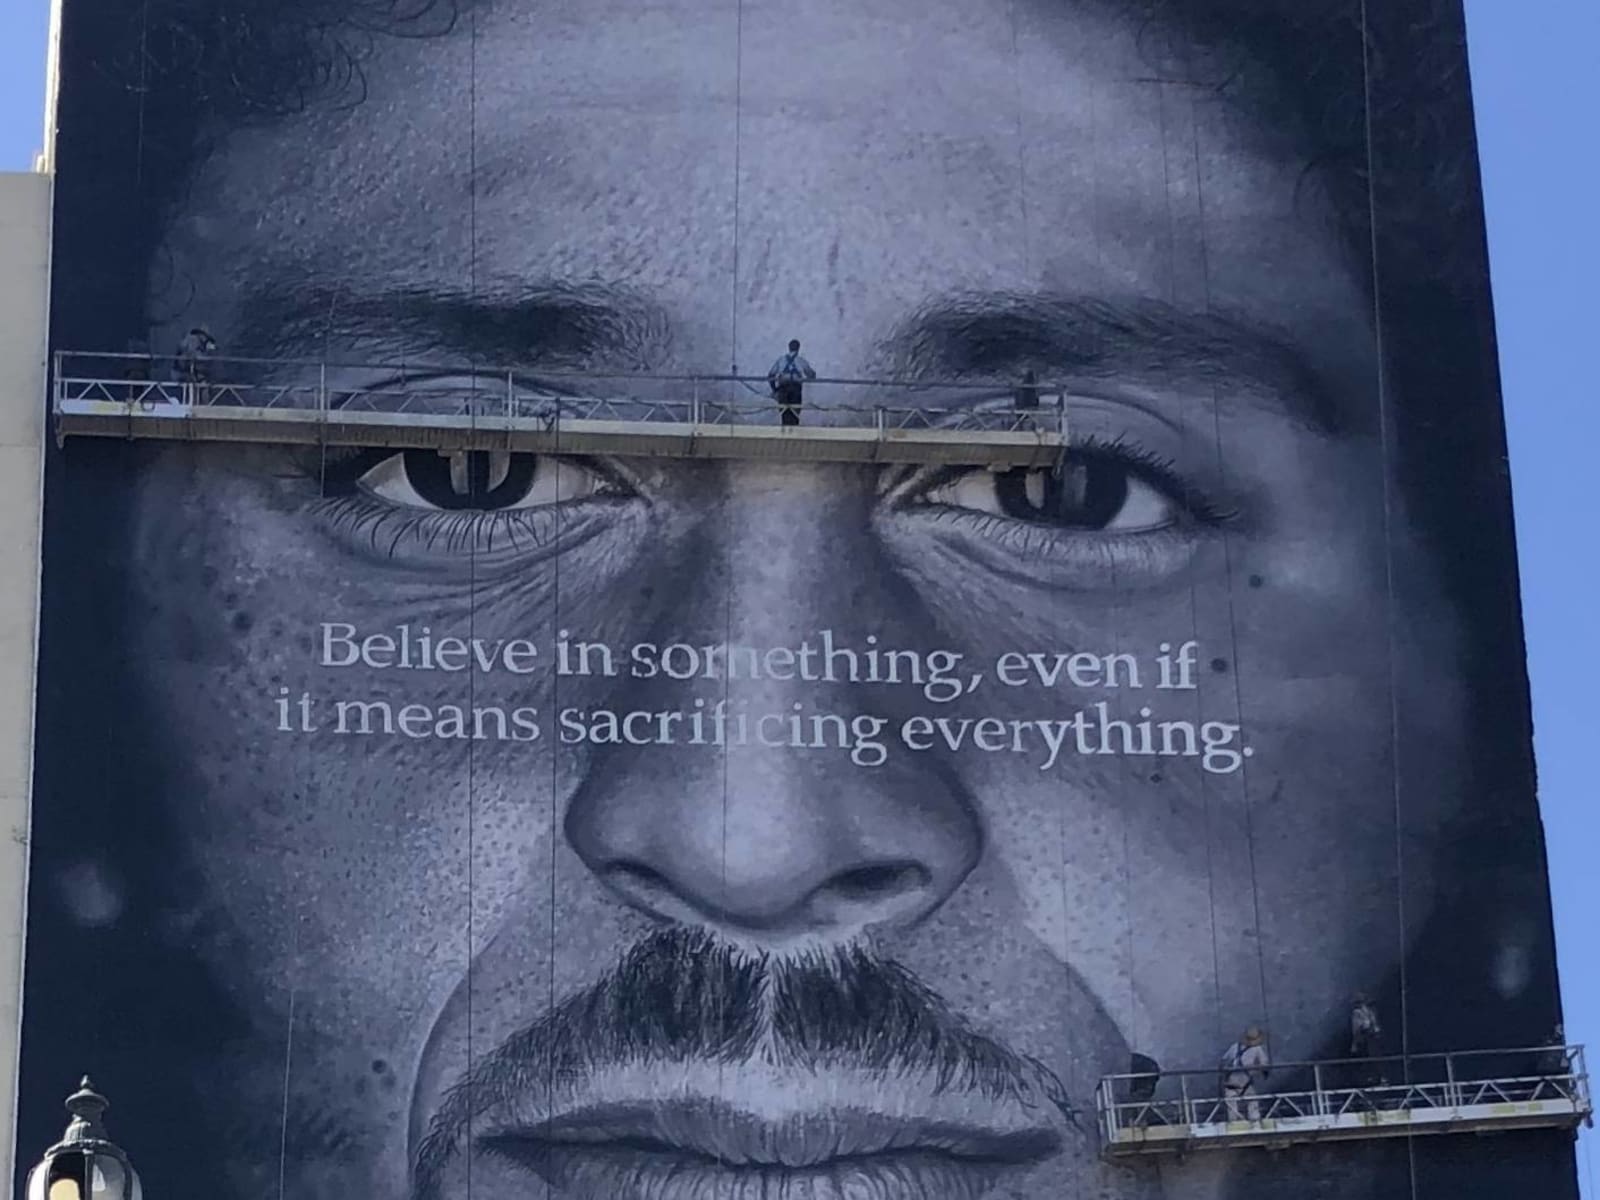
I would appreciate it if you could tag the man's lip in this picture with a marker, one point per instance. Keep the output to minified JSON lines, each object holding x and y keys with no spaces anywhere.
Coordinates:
{"x":693,"y":1148}
{"x":726,"y":1134}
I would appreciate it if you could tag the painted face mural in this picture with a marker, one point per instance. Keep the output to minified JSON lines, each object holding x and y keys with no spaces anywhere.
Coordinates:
{"x":573,"y":826}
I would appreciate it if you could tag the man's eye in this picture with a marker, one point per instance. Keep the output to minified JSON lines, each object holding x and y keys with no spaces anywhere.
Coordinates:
{"x":479,"y":481}
{"x":1089,"y":492}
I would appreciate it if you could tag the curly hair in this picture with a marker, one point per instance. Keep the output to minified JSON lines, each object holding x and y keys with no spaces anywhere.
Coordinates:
{"x":146,"y":87}
{"x":148,"y":83}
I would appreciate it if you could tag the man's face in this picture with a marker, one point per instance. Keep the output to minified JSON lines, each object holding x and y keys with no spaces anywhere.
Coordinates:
{"x":702,"y":970}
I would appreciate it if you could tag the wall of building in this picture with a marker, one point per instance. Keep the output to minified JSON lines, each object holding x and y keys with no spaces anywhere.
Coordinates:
{"x":24,"y":274}
{"x":582,"y":826}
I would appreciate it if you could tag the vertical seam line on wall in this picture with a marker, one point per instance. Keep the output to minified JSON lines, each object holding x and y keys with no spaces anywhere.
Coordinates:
{"x":1219,"y":1032}
{"x":555,"y":818}
{"x":1194,"y":604}
{"x":1183,"y":425}
{"x":1067,"y":913}
{"x":472,"y":570}
{"x":1205,"y":787}
{"x":288,"y":1045}
{"x":733,"y":349}
{"x":738,"y":180}
{"x":1022,"y":144}
{"x":144,"y":91}
{"x":1233,"y":623}
{"x":294,"y":958}
{"x":733,"y":355}
{"x":555,"y":813}
{"x":727,"y":696}
{"x":555,"y":823}
{"x":1382,"y":381}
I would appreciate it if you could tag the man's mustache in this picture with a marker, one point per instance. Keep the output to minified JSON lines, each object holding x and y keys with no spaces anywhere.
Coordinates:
{"x":682,"y":996}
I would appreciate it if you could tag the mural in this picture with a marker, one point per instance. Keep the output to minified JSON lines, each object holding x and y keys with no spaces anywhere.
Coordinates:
{"x":412,"y":824}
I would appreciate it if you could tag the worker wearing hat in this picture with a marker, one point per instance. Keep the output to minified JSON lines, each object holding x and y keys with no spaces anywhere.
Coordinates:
{"x":1244,"y":1073}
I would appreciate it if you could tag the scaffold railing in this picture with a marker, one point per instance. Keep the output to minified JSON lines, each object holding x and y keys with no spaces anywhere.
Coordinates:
{"x":472,"y":407}
{"x":1477,"y":1091}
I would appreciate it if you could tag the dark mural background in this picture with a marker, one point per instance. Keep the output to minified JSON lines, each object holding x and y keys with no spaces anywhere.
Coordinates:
{"x":1247,"y":239}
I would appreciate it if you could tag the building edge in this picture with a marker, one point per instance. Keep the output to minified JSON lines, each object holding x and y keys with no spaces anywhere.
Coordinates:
{"x":25,"y":253}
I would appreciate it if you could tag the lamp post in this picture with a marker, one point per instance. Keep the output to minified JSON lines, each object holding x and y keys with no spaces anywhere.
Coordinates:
{"x":85,"y":1164}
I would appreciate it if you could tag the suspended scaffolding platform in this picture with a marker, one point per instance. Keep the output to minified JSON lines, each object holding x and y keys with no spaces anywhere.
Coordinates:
{"x":410,"y":406}
{"x":1482,"y":1092}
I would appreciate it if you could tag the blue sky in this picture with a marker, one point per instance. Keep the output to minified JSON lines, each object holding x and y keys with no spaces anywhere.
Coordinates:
{"x":1534,"y":83}
{"x":1533,"y":70}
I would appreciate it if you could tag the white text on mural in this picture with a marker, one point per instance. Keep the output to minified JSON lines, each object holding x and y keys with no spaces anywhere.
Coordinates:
{"x":824,"y":692}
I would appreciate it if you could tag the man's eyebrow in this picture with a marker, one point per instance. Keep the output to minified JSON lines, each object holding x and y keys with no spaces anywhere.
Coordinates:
{"x":998,"y":335}
{"x":565,"y":324}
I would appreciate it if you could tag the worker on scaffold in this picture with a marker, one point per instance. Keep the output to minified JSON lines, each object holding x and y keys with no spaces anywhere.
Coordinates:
{"x":1366,"y":1039}
{"x":193,"y":361}
{"x":787,"y":379}
{"x":1244,"y":1073}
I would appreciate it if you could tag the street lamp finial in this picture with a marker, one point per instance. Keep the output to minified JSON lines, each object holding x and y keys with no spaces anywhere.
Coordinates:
{"x":87,"y":1106}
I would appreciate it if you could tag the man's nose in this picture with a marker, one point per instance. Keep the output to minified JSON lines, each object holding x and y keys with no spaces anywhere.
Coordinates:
{"x":783,"y":822}
{"x":766,"y":842}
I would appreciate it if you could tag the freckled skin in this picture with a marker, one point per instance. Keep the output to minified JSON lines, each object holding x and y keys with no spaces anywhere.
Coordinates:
{"x":1109,"y":904}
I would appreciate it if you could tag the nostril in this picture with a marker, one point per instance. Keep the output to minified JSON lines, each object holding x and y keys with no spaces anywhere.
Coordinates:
{"x":878,"y":882}
{"x":636,"y":883}
{"x":637,"y":871}
{"x":854,"y":897}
